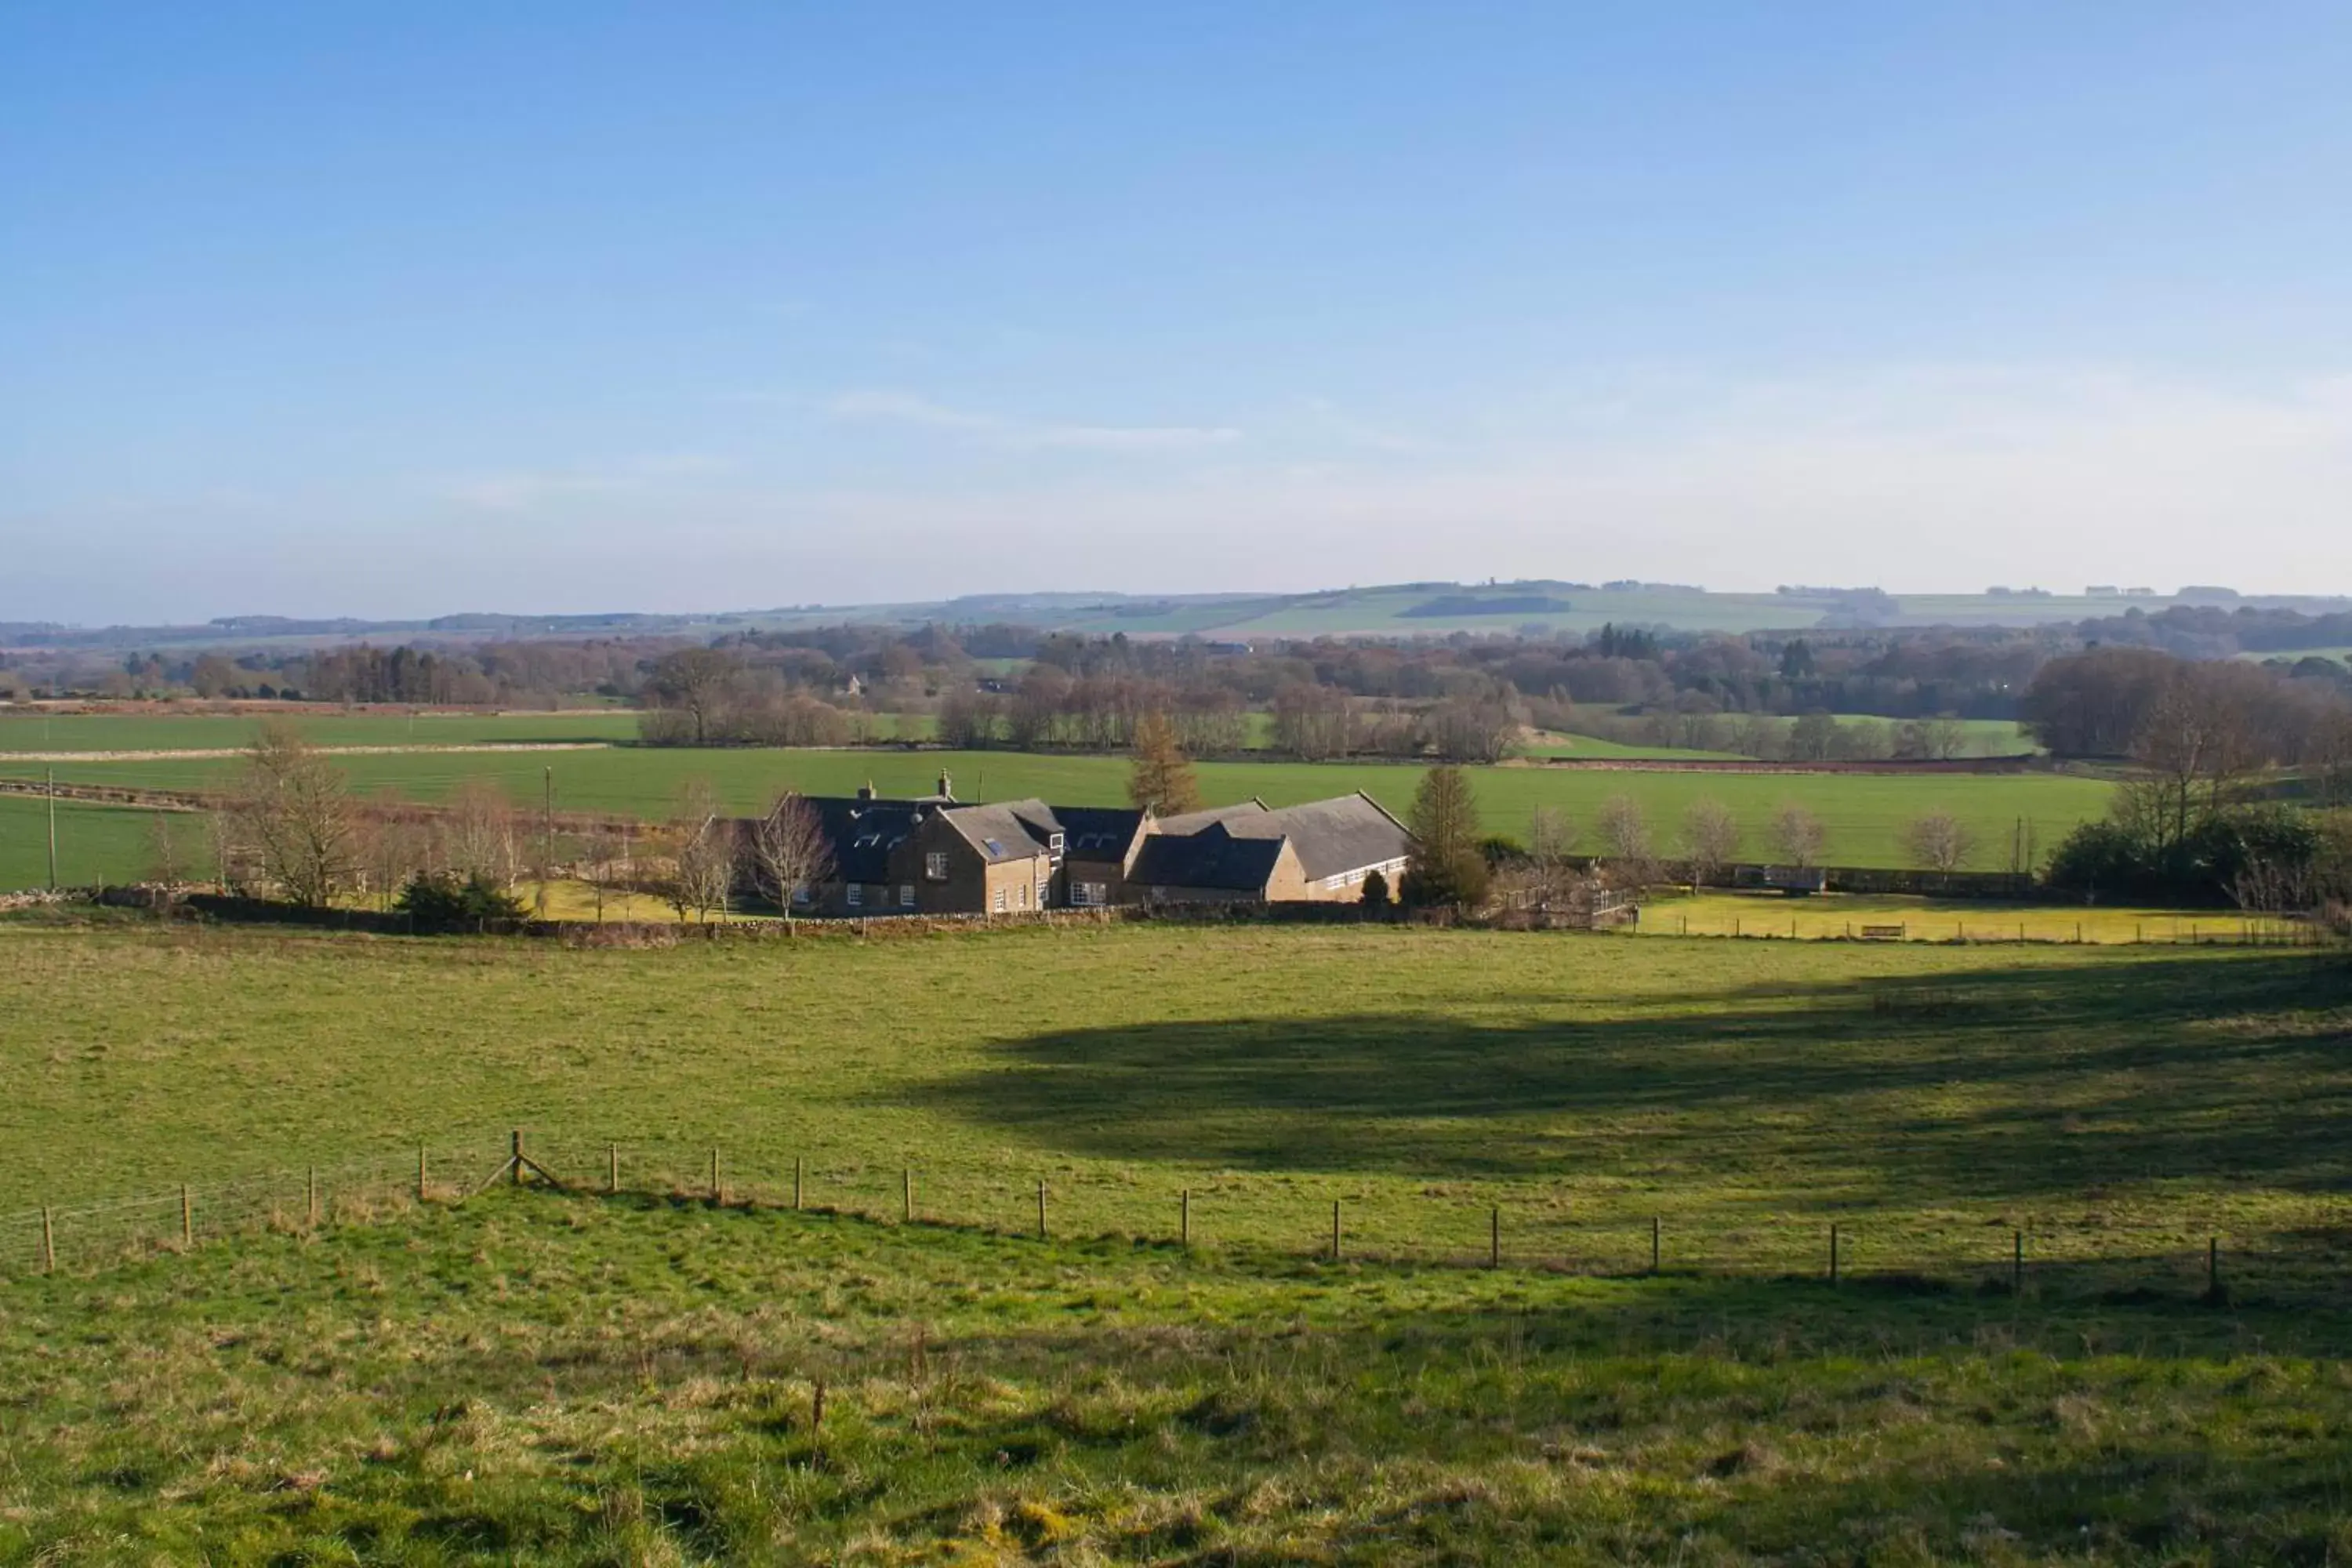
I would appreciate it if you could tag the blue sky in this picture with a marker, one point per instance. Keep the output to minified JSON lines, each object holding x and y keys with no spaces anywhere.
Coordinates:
{"x":394,"y":309}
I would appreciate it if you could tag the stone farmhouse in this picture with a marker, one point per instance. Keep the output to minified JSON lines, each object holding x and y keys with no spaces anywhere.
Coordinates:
{"x":937,"y":855}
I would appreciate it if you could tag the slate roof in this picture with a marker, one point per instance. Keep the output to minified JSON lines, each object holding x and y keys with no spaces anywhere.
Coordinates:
{"x":1098,"y":831}
{"x":863,"y":833}
{"x":1212,"y":858}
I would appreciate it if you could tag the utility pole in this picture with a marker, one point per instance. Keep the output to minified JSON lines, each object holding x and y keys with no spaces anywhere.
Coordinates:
{"x":547,"y":838}
{"x":50,"y":789}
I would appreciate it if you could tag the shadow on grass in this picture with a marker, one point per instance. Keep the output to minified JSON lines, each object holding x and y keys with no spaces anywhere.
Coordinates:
{"x":2001,"y":1082}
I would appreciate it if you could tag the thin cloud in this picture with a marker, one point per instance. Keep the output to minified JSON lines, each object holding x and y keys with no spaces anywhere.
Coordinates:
{"x":907,"y":408}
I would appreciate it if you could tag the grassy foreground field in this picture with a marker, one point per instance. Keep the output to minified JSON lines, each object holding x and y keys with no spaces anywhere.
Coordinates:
{"x":577,"y":1380}
{"x":1865,"y":816}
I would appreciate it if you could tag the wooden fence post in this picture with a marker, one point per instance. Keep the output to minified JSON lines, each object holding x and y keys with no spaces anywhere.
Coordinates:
{"x":2017,"y":1266}
{"x":514,"y":1154}
{"x":2213,"y":1268}
{"x":1184,"y":1218}
{"x":612,"y":1168}
{"x":187,"y":1218}
{"x":1335,"y":1230}
{"x":1494,"y":1236}
{"x":314,"y":1198}
{"x":420,"y":1173}
{"x":907,"y":1195}
{"x":1041,"y":1211}
{"x":718,"y":1193}
{"x":796,"y":1180}
{"x":49,"y":1243}
{"x":1654,"y":1243}
{"x":1833,"y":1253}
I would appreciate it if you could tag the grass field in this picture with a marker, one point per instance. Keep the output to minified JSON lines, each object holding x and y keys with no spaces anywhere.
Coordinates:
{"x":1840,"y":916}
{"x":94,"y":843}
{"x":196,"y":731}
{"x":585,"y":1380}
{"x":1865,"y":816}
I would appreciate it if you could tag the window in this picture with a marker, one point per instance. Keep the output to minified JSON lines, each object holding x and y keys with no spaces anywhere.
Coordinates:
{"x":1000,"y":900}
{"x":1088,"y":894}
{"x":935,"y":866}
{"x":1023,"y":900}
{"x":906,"y":895}
{"x":856,"y":895}
{"x":996,"y":850}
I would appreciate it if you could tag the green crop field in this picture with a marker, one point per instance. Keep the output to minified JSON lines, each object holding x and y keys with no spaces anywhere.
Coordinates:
{"x":1864,"y":815}
{"x":94,"y":843}
{"x":203,"y":731}
{"x":542,"y":1378}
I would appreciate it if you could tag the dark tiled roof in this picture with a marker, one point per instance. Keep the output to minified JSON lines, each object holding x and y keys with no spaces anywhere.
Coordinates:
{"x":862,"y":832}
{"x":1098,"y":831}
{"x":1212,"y":858}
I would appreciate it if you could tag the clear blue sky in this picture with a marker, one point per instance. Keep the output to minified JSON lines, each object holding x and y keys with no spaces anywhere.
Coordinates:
{"x":407,"y":309}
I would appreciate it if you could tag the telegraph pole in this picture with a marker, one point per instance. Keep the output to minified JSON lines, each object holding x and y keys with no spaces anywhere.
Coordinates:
{"x":547,"y":836}
{"x":50,"y":789}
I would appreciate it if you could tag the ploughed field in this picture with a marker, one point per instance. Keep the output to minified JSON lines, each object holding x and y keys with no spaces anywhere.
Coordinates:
{"x":580,"y":1378}
{"x":1864,"y":816}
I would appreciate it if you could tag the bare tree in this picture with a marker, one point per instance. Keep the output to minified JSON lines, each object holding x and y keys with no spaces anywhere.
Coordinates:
{"x":1710,"y":839}
{"x":167,"y":860}
{"x":603,"y":855}
{"x":703,"y":853}
{"x":478,"y":833}
{"x":1623,"y":829}
{"x":1940,"y":842}
{"x":296,"y":811}
{"x":1798,"y":837}
{"x":789,"y":850}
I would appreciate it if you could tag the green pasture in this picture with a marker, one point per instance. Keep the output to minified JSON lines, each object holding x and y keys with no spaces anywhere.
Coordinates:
{"x":94,"y":843}
{"x":1846,"y":917}
{"x":1922,"y":1094}
{"x":574,"y":1379}
{"x":207,"y":731}
{"x":579,"y":1381}
{"x":1864,"y":815}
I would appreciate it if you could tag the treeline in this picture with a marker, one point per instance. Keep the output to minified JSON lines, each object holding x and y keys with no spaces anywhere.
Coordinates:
{"x":2225,"y":756}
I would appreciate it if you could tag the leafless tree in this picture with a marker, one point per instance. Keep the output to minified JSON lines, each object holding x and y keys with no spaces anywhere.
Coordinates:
{"x":604,"y":854}
{"x":1710,"y":839}
{"x":1798,"y":837}
{"x":167,"y":860}
{"x":703,"y":853}
{"x":296,"y":811}
{"x":1939,"y":842}
{"x":478,"y":833}
{"x":396,"y":845}
{"x":789,"y":850}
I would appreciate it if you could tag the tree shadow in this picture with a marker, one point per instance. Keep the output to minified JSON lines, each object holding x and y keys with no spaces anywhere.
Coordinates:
{"x":1999,"y":1083}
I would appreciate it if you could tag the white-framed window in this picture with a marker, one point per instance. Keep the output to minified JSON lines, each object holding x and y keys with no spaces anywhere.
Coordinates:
{"x":1087,"y":895}
{"x":856,"y":895}
{"x":935,"y":866}
{"x":1023,"y":901}
{"x":906,"y":895}
{"x":1000,"y":900}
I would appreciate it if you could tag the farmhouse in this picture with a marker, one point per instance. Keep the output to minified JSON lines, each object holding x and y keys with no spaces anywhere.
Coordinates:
{"x":937,"y":855}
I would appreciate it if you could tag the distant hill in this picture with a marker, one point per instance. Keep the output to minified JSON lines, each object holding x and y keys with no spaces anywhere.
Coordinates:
{"x":1402,"y":609}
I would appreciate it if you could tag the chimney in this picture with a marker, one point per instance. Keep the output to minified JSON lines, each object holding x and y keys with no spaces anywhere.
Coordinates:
{"x":946,"y":785}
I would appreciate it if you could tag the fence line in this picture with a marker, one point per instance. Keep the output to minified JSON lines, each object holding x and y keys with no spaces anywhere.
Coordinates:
{"x":1527,"y":1225}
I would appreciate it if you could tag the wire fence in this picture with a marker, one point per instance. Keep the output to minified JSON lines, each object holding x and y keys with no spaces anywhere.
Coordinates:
{"x":2218,"y":1250}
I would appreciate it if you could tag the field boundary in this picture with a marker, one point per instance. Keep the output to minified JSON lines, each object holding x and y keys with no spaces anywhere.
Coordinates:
{"x":2197,"y":1254}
